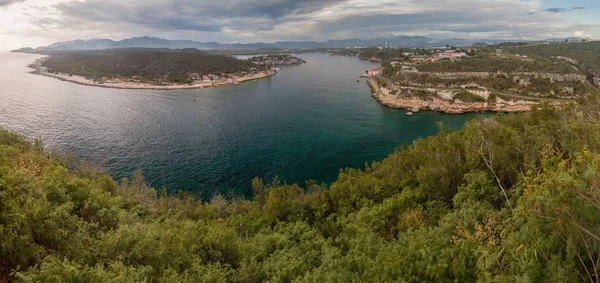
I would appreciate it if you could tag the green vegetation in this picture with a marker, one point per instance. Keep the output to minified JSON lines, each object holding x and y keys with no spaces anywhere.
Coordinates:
{"x":342,"y":52}
{"x":499,"y":82}
{"x":420,"y":93}
{"x":276,"y":60}
{"x":382,"y":82}
{"x":534,"y":76}
{"x":380,"y":54}
{"x":513,"y":198}
{"x":497,"y":64}
{"x":587,"y":54}
{"x":147,"y":65}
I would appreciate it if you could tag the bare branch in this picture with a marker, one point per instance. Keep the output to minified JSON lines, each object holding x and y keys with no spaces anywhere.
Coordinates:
{"x":488,"y":163}
{"x":583,"y":264}
{"x":591,"y":257}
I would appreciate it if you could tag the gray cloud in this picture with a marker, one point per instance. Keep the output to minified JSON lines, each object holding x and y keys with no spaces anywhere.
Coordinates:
{"x":555,"y":10}
{"x":191,"y":15}
{"x":272,"y":20}
{"x":561,"y":10}
{"x":9,"y":2}
{"x":95,"y":9}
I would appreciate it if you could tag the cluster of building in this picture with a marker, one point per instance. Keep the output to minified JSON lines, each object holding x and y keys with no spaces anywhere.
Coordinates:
{"x":448,"y":54}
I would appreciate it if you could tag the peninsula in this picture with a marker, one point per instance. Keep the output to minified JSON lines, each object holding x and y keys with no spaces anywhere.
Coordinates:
{"x":141,"y":68}
{"x":490,"y":78}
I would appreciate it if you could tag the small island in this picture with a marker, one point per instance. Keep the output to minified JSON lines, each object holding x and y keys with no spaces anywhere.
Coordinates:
{"x":141,"y":68}
{"x":513,"y":79}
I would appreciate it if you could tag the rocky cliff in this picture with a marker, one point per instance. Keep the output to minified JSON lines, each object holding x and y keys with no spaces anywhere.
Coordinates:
{"x":449,"y":106}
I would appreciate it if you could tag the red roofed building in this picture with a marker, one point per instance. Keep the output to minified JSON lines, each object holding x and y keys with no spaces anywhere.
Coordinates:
{"x":373,"y":72}
{"x":418,"y":58}
{"x":452,"y":54}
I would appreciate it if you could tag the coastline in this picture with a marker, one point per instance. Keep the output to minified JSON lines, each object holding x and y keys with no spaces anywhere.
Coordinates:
{"x":120,"y":84}
{"x":437,"y":104}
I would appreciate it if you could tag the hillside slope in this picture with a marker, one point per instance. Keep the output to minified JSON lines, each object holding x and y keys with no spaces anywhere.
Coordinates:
{"x":585,"y":55}
{"x":510,"y":198}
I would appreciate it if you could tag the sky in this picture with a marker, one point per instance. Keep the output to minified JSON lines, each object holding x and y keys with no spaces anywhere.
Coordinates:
{"x":36,"y":23}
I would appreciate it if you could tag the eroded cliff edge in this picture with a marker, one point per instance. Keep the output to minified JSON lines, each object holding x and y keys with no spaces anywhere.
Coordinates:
{"x":406,"y":99}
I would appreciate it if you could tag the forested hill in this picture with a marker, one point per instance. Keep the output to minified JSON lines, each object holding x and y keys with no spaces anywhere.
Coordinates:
{"x":513,"y":198}
{"x":149,"y":65}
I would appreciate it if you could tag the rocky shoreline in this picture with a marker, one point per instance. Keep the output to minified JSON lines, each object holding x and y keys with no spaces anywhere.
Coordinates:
{"x":124,"y":84}
{"x":438,"y":104}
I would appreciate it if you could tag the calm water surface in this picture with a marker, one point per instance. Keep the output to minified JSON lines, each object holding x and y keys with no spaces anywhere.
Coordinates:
{"x":306,"y":122}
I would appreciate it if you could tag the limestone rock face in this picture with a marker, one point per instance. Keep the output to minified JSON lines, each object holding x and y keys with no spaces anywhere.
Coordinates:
{"x":415,"y":104}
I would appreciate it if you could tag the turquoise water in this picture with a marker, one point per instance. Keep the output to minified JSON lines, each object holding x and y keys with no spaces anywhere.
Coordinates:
{"x":306,"y":122}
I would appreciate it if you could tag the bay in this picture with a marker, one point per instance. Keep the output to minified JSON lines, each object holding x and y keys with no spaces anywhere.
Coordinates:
{"x":306,"y":122}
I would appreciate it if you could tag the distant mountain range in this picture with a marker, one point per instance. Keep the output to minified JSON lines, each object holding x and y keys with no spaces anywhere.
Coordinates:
{"x":153,"y":42}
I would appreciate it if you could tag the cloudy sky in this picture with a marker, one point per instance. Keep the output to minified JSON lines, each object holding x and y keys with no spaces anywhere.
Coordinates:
{"x":41,"y":22}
